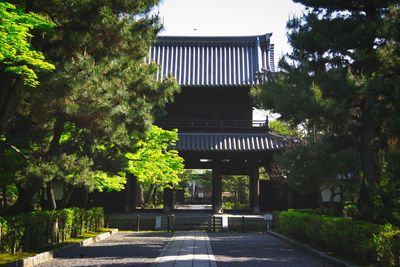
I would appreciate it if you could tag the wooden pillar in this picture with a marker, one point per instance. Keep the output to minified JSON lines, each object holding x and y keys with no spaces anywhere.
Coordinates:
{"x":168,"y":197}
{"x":133,"y":191}
{"x":254,"y":187}
{"x":216,"y":186}
{"x":128,"y":194}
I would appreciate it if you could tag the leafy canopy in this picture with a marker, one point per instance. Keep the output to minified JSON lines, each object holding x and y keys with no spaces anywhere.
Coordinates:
{"x":154,"y":162}
{"x":16,"y":52}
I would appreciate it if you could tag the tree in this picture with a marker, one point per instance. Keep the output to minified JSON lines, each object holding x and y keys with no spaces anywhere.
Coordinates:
{"x":100,"y":94}
{"x":17,"y":55}
{"x":341,"y":81}
{"x":18,"y":58}
{"x":153,"y":162}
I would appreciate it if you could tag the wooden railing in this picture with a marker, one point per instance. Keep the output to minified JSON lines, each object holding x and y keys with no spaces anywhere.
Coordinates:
{"x":212,"y":124}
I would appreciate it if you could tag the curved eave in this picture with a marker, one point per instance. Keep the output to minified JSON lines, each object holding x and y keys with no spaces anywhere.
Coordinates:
{"x":231,"y":142}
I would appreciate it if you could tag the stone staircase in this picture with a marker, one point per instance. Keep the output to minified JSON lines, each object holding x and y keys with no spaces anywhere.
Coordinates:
{"x":187,"y":221}
{"x":201,"y":222}
{"x":167,"y":222}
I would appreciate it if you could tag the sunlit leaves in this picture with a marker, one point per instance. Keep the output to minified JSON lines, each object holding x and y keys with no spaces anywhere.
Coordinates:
{"x":16,"y":53}
{"x":154,"y":162}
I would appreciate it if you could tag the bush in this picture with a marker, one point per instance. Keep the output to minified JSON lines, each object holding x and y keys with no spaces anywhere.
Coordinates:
{"x":387,"y":244}
{"x":227,"y":205}
{"x":38,"y":229}
{"x":367,"y":242}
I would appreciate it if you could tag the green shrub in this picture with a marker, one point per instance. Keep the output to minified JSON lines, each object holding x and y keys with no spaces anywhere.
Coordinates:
{"x":35,"y":230}
{"x":228,"y":205}
{"x":387,"y":244}
{"x":97,"y":218}
{"x":367,"y":242}
{"x":66,"y":221}
{"x":13,"y":238}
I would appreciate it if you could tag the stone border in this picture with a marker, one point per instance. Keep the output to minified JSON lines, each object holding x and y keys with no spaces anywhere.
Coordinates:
{"x":48,"y":255}
{"x":319,"y":254}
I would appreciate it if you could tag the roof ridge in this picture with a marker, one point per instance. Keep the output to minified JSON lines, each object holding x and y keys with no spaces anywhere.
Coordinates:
{"x":212,"y":39}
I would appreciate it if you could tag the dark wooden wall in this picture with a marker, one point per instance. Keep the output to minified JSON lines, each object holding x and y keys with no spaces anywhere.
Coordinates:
{"x":276,"y":195}
{"x":211,"y":103}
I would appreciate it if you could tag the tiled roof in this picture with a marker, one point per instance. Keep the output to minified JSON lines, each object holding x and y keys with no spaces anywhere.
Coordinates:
{"x":240,"y":142}
{"x":213,"y":61}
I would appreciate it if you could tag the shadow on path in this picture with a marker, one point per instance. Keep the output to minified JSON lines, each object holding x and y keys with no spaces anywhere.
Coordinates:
{"x":236,"y":249}
{"x":121,"y":249}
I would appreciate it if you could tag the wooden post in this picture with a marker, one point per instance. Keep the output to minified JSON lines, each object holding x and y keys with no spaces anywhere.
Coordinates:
{"x":216,"y":186}
{"x":128,"y":194}
{"x":133,"y":191}
{"x":168,"y":199}
{"x":254,"y":187}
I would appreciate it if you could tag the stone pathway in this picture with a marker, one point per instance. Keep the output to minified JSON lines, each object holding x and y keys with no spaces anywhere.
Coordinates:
{"x":122,"y":249}
{"x":257,"y":249}
{"x":187,"y":249}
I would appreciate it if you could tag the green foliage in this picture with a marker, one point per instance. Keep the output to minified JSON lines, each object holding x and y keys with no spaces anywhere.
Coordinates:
{"x":387,"y":244}
{"x":227,"y":205}
{"x":341,"y":84}
{"x":10,"y":163}
{"x":154,"y":162}
{"x":358,"y":240}
{"x":77,"y":126}
{"x":316,"y":164}
{"x":283,"y":128}
{"x":16,"y":52}
{"x":350,"y":210}
{"x":201,"y":177}
{"x":73,"y":170}
{"x":33,"y":230}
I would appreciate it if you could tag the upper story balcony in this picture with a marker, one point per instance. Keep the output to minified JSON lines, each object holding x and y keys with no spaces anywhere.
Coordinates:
{"x":198,"y":125}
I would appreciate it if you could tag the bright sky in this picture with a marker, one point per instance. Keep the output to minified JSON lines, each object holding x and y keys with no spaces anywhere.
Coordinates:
{"x":230,"y":17}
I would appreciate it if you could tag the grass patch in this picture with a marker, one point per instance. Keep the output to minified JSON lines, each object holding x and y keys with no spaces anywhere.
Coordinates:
{"x":7,"y":257}
{"x":77,"y":239}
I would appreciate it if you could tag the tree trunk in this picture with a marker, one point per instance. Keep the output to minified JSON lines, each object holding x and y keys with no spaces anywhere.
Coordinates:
{"x":25,"y":201}
{"x":9,"y":99}
{"x":58,"y":130}
{"x":66,"y":197}
{"x":4,"y":201}
{"x":368,"y":154}
{"x":150,"y":193}
{"x":50,"y":196}
{"x":155,"y":199}
{"x":140,"y":198}
{"x":85,"y":197}
{"x":241,"y":193}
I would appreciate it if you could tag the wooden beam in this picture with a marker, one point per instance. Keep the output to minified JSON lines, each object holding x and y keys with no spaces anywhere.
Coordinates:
{"x":254,"y":187}
{"x":168,"y":199}
{"x":216,"y":186}
{"x":128,"y":195}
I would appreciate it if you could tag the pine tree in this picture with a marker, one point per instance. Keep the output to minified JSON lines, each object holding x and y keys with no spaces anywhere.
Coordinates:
{"x":100,"y":94}
{"x":341,"y":81}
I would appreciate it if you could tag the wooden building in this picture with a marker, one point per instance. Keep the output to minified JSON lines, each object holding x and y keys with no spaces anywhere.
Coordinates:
{"x":213,"y":113}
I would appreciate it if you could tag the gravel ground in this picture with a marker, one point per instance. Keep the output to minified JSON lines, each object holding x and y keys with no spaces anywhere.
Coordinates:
{"x":235,"y":249}
{"x":121,"y":249}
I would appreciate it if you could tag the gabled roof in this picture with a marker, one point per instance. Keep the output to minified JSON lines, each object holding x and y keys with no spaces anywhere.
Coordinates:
{"x":213,"y":61}
{"x":232,"y":142}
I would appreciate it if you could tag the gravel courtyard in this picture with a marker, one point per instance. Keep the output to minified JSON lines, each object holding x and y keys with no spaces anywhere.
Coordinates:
{"x":121,"y":249}
{"x":229,"y":249}
{"x":237,"y":249}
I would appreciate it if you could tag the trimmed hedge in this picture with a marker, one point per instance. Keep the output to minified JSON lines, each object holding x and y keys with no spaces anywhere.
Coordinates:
{"x":355,"y":239}
{"x":38,"y":229}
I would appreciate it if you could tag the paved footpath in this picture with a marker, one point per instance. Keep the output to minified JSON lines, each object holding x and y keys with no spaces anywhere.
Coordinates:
{"x":252,"y":249}
{"x":121,"y":249}
{"x":191,"y":249}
